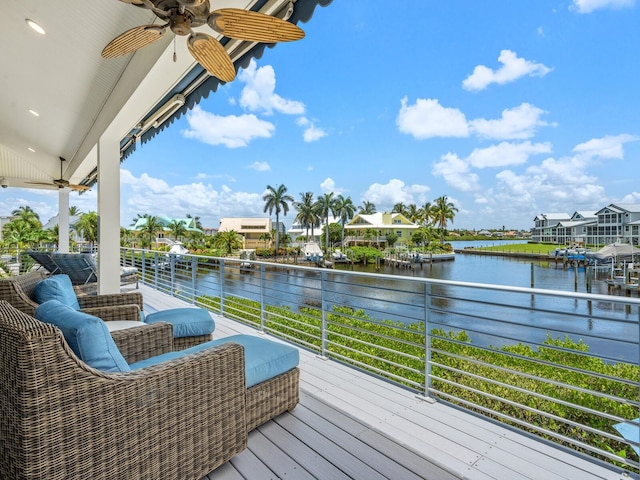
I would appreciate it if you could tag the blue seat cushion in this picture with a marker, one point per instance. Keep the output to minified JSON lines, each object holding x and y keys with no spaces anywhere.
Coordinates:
{"x":88,"y":336}
{"x":56,"y":287}
{"x":187,"y":322}
{"x":263,"y":359}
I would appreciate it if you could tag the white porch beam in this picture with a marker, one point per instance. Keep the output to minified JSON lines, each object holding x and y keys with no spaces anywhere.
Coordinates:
{"x":108,"y":184}
{"x":63,"y":220}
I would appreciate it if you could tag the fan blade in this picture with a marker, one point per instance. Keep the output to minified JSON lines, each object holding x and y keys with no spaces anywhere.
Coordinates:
{"x":212,"y":56}
{"x":79,"y":188}
{"x":253,"y":26}
{"x":133,"y":39}
{"x":40,"y":183}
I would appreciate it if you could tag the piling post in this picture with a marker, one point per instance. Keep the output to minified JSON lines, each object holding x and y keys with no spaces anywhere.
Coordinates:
{"x":532,"y":277}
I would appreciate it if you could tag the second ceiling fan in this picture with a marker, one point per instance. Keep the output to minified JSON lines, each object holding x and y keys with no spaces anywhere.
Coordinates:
{"x":182,"y":16}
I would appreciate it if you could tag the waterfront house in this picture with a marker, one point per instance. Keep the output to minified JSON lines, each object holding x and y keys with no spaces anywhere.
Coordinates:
{"x":574,"y":231}
{"x":616,"y":223}
{"x":164,"y":235}
{"x":374,"y":228}
{"x":254,"y":231}
{"x":546,"y":225}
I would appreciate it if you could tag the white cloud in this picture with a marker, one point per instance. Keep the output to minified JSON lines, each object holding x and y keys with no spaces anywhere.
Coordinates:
{"x":311,"y":132}
{"x":506,"y":153}
{"x":455,"y":172}
{"x":512,"y":69}
{"x":260,"y":166}
{"x":588,"y":6}
{"x":231,"y":131}
{"x":259,"y":94}
{"x":516,"y":123}
{"x":633,"y":197}
{"x":155,"y":197}
{"x":328,"y":185}
{"x":384,"y":197}
{"x":607,"y":147}
{"x":427,"y":118}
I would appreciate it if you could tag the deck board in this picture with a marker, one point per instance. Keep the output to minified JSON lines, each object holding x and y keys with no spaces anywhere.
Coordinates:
{"x":353,"y":425}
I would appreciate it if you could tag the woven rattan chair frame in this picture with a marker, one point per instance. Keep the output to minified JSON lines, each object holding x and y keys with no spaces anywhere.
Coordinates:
{"x":269,"y":399}
{"x":18,"y":291}
{"x":65,"y":420}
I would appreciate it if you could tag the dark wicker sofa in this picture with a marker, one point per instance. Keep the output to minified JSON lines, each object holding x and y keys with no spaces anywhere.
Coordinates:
{"x":61,"y":419}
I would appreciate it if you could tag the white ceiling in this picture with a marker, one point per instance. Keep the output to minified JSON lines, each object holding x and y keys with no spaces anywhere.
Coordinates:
{"x":78,"y":94}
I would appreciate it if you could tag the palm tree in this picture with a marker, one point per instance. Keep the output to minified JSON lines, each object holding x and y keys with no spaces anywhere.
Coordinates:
{"x":228,"y":240}
{"x":307,"y":215}
{"x":367,"y":208}
{"x":151,"y":228}
{"x":73,"y":210}
{"x":325,"y":205}
{"x":87,"y":227}
{"x":426,"y":213}
{"x":443,"y":211}
{"x":345,"y":209}
{"x":413,"y":213}
{"x":177,"y":229}
{"x":266,"y":237}
{"x":399,"y":208}
{"x":27,"y":216}
{"x":277,"y":199}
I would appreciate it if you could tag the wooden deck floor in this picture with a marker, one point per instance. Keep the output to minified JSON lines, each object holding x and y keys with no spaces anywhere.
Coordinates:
{"x":352,"y":425}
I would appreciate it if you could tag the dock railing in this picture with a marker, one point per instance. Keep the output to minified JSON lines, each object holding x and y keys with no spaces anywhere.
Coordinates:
{"x":563,"y":366}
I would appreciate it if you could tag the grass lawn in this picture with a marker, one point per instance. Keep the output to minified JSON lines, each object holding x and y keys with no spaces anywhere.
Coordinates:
{"x":540,"y":248}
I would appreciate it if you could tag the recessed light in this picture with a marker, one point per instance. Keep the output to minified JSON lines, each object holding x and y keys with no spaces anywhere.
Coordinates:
{"x":34,"y":113}
{"x":35,"y":26}
{"x":31,"y":150}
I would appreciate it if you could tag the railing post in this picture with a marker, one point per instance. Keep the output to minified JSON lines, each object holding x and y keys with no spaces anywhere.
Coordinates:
{"x":143,"y":266}
{"x":427,"y":344}
{"x":221,"y":287}
{"x":263,"y":312}
{"x":194,"y":277}
{"x":157,"y":270}
{"x":323,"y":332}
{"x":172,"y":264}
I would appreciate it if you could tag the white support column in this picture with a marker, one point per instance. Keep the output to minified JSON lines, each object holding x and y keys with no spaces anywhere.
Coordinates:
{"x":108,"y":215}
{"x":63,"y":220}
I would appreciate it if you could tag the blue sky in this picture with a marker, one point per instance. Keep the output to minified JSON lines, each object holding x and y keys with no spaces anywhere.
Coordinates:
{"x":510,"y":108}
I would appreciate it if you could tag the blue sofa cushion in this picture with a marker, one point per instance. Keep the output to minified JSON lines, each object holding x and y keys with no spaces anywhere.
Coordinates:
{"x":56,"y":287}
{"x":263,"y":358}
{"x":187,"y":322}
{"x":88,"y":336}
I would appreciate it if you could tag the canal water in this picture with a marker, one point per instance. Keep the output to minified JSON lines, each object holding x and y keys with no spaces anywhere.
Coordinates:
{"x":516,"y":272}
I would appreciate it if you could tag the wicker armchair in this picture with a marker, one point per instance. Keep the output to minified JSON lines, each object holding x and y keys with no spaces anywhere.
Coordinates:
{"x":64,"y":420}
{"x":18,"y":291}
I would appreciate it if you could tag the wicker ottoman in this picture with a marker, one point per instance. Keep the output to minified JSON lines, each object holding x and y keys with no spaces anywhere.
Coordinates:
{"x":191,"y":326}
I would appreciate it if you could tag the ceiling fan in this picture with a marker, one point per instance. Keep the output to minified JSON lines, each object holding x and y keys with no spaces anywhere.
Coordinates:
{"x":61,"y":182}
{"x":181,"y":16}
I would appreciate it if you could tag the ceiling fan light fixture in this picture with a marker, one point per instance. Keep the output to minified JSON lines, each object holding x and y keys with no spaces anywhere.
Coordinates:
{"x":35,"y":26}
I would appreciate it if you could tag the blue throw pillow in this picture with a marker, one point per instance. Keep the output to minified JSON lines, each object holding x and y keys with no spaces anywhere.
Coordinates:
{"x":88,"y":336}
{"x":56,"y":287}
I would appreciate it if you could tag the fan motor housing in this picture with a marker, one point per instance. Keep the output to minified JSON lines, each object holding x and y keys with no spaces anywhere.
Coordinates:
{"x":181,"y":24}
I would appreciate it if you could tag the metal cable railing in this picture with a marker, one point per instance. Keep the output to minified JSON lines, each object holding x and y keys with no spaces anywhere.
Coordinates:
{"x":563,"y":366}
